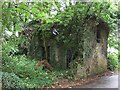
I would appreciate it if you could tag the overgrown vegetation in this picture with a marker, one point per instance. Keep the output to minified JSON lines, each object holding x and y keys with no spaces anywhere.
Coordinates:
{"x":113,"y":63}
{"x":20,"y":71}
{"x":20,"y":68}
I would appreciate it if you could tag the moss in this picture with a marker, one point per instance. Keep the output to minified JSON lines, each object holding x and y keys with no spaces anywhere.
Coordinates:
{"x":81,"y":72}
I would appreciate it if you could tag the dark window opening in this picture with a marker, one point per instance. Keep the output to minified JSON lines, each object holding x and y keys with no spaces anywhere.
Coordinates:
{"x":75,"y":55}
{"x":44,"y":53}
{"x":69,"y":57}
{"x":98,"y":36}
{"x":48,"y":53}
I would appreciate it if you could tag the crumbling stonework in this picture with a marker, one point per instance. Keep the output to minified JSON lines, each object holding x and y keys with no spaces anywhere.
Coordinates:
{"x":95,"y":61}
{"x":87,"y":48}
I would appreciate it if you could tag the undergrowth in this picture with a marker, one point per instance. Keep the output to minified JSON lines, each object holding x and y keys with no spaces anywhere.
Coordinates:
{"x":113,"y":63}
{"x":19,"y":69}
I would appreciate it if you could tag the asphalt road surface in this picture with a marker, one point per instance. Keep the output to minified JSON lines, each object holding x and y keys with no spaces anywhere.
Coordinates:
{"x":104,"y":82}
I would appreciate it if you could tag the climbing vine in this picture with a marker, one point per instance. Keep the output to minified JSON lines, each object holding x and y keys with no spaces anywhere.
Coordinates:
{"x":71,"y":18}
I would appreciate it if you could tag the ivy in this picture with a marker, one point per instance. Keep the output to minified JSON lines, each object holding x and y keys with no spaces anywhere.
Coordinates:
{"x":71,"y":18}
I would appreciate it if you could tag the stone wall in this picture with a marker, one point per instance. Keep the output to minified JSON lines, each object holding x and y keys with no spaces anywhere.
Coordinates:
{"x":92,"y":52}
{"x":58,"y":57}
{"x":95,"y":53}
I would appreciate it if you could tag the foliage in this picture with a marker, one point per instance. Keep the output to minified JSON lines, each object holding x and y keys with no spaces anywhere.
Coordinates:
{"x":113,"y":61}
{"x":66,"y":74}
{"x":10,"y":80}
{"x":19,"y":14}
{"x":25,"y":69}
{"x":71,"y":17}
{"x":10,"y":44}
{"x":20,"y":71}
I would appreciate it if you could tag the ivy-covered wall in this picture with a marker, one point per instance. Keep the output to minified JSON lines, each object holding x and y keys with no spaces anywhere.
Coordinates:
{"x":82,"y":48}
{"x":95,"y":49}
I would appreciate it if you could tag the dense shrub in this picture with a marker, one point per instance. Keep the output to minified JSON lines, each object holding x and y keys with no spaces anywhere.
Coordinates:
{"x":27,"y":71}
{"x":10,"y":80}
{"x":113,"y":61}
{"x":19,"y":68}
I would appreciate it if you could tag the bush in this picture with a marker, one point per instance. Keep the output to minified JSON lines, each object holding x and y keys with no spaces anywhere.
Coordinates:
{"x":112,"y":61}
{"x":10,"y":80}
{"x":20,"y":71}
{"x":19,"y":68}
{"x":26,"y":69}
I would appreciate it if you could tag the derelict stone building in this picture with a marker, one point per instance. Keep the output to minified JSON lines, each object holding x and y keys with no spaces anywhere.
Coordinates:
{"x":81,"y":46}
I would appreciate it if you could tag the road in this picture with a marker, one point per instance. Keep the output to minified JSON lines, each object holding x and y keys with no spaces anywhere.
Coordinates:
{"x":104,"y":82}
